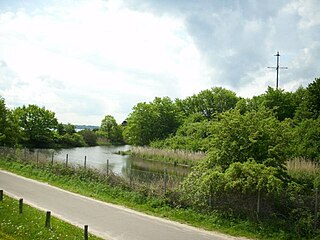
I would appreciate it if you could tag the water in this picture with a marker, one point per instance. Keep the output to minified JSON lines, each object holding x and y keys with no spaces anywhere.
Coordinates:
{"x":123,"y":165}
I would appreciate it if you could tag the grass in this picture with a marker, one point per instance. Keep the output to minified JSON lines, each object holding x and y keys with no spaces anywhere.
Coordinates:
{"x":303,"y":165}
{"x":30,"y":225}
{"x":167,"y":155}
{"x":90,"y":184}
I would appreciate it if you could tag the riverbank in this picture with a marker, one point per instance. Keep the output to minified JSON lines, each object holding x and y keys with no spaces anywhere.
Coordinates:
{"x":88,"y":183}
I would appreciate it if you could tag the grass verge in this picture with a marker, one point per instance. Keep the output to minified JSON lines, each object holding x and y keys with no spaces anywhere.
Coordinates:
{"x":30,"y":225}
{"x":82,"y":183}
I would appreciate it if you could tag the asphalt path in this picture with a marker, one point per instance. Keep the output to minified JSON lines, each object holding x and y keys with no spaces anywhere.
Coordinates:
{"x":105,"y":220}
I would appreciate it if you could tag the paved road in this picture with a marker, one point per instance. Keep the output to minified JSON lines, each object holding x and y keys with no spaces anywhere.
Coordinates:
{"x":105,"y":220}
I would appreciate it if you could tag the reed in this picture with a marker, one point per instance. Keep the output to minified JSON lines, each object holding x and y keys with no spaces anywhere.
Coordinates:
{"x":301,"y":164}
{"x":168,"y":155}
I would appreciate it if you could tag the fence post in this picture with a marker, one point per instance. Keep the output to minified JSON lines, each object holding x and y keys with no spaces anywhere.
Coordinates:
{"x":37,"y":158}
{"x":210,"y":196}
{"x":130,"y":177}
{"x":67,"y":156}
{"x":20,"y":205}
{"x":107,"y":167}
{"x":165,"y":180}
{"x":258,"y":203}
{"x":86,"y":234}
{"x":25,"y":154}
{"x":48,"y":219}
{"x":316,"y":209}
{"x":1,"y":195}
{"x":85,"y":162}
{"x":52,"y":156}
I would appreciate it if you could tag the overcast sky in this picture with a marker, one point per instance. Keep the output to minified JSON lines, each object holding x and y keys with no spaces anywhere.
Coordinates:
{"x":91,"y":58}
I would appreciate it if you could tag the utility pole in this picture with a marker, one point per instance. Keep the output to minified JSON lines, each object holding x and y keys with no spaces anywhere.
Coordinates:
{"x":277,"y":68}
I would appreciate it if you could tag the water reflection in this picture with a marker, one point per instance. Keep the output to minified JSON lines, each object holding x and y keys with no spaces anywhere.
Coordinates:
{"x":104,"y":157}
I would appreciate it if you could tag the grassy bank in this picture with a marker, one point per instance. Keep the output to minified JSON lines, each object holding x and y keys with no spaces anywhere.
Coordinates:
{"x":89,"y":183}
{"x":30,"y":225}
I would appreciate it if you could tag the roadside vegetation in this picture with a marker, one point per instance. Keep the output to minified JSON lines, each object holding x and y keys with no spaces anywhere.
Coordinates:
{"x":30,"y":225}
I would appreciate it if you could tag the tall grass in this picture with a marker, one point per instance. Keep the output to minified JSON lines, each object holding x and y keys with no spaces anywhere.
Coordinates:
{"x":302,"y":165}
{"x":168,"y":155}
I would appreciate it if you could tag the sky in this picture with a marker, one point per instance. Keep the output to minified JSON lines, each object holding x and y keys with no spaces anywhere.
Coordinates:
{"x":84,"y":59}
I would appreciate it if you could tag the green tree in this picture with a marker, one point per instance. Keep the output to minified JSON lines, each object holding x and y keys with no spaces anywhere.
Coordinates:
{"x":310,"y":104}
{"x":37,"y":125}
{"x":193,"y":135}
{"x":209,"y":102}
{"x":111,"y":130}
{"x":306,"y":141}
{"x":256,"y":135}
{"x":89,"y":137}
{"x":9,"y":133}
{"x":151,"y":121}
{"x":280,"y":102}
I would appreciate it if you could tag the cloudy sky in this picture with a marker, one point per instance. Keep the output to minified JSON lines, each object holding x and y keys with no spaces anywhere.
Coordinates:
{"x":84,"y":59}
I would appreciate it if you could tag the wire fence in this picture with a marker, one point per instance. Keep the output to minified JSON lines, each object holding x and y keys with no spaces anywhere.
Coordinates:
{"x":153,"y":182}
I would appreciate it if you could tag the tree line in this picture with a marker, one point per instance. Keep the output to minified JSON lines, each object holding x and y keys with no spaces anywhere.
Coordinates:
{"x":35,"y":127}
{"x":191,"y":123}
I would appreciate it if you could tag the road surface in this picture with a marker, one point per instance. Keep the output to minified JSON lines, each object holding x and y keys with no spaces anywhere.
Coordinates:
{"x":105,"y":220}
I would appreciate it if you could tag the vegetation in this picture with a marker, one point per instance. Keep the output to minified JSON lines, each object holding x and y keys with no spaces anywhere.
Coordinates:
{"x":113,"y":189}
{"x":30,"y":225}
{"x":249,"y":145}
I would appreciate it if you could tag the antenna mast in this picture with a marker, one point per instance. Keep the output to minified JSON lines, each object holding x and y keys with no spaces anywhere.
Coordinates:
{"x":277,"y":68}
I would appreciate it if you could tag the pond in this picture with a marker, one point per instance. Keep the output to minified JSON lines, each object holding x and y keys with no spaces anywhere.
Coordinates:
{"x":106,"y":157}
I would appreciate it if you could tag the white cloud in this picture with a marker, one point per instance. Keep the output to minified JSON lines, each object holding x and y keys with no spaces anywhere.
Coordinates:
{"x":85,"y":59}
{"x":95,"y":53}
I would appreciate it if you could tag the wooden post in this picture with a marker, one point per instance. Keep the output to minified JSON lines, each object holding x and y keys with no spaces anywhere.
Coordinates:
{"x":67,"y":156}
{"x":316,"y":209}
{"x":107,"y":167}
{"x":210,"y":196}
{"x":85,"y":162}
{"x":130,"y":177}
{"x":1,"y":195}
{"x":37,"y":158}
{"x":20,"y":205}
{"x":25,"y":154}
{"x":86,"y":233}
{"x":48,"y":219}
{"x":52,"y":156}
{"x":165,"y":181}
{"x":258,"y":204}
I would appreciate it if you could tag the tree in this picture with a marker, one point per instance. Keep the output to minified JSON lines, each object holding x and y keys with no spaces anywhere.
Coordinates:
{"x":208,"y":102}
{"x":110,"y":129}
{"x":9,"y":133}
{"x":306,"y":141}
{"x":89,"y":137}
{"x":256,"y":135}
{"x":310,"y":104}
{"x":280,"y":102}
{"x":36,"y":125}
{"x":247,"y":155}
{"x":151,"y":121}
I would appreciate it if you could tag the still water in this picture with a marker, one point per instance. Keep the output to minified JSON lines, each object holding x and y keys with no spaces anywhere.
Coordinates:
{"x":98,"y":156}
